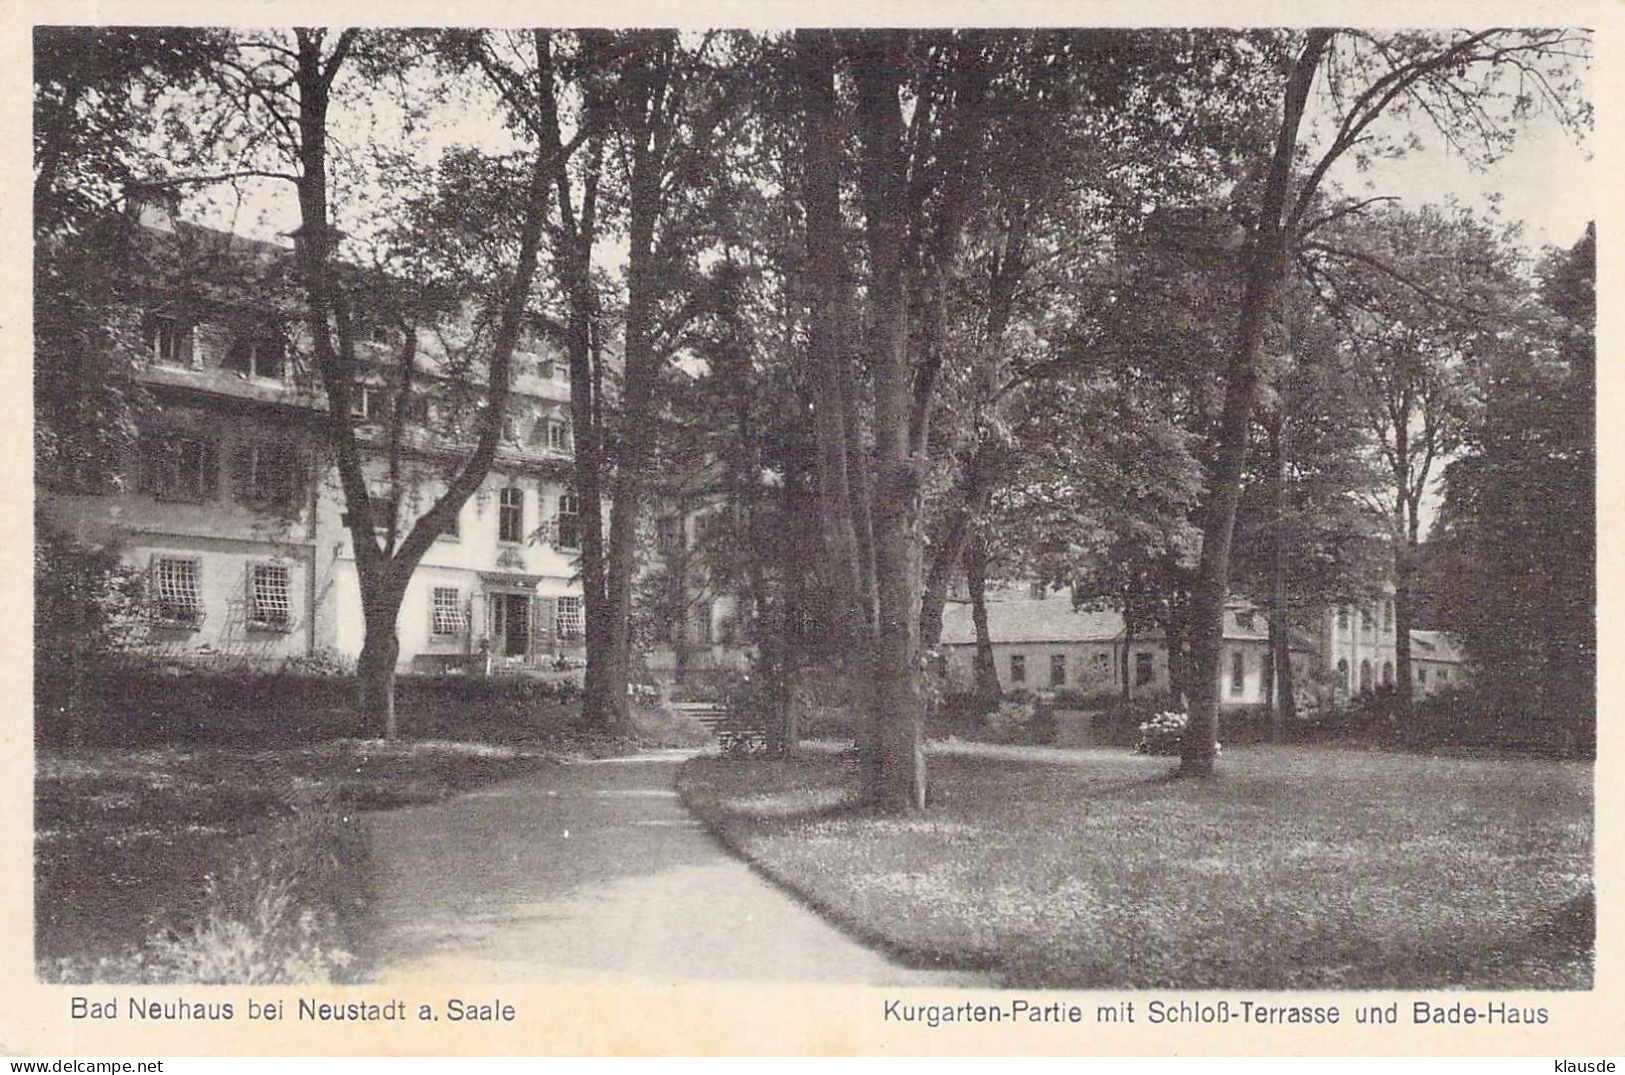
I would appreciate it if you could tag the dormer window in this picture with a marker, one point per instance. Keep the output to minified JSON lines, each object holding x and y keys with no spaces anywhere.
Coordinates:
{"x":263,"y":354}
{"x":167,"y":339}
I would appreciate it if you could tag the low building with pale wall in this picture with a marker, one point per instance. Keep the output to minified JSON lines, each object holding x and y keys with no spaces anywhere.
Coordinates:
{"x":1045,"y":644}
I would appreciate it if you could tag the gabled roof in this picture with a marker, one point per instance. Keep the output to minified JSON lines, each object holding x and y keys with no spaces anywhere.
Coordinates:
{"x":1436,"y":646}
{"x":1055,"y":620}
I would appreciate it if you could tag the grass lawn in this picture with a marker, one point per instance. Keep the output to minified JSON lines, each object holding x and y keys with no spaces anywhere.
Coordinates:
{"x":1298,"y":867}
{"x":135,"y":850}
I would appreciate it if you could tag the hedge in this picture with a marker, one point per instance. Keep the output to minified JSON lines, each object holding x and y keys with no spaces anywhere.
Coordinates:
{"x":145,"y":706}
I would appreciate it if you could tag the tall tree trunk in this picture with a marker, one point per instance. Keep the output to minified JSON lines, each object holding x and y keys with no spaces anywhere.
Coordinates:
{"x":1282,"y":704}
{"x":375,"y":672}
{"x":898,"y":773}
{"x":985,"y":671}
{"x":968,"y":500}
{"x":383,"y":571}
{"x":1128,"y":660}
{"x":1266,"y":259}
{"x":1404,"y":560}
{"x":1173,"y":633}
{"x":833,"y":408}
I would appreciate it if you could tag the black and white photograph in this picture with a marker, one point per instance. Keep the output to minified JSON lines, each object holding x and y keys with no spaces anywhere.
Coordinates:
{"x":1103,"y":515}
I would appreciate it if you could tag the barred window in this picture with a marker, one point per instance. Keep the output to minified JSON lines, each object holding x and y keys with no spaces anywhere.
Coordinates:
{"x":567,"y":617}
{"x":447,"y":617}
{"x":180,"y":598}
{"x":511,"y":515}
{"x":268,"y":596}
{"x":569,"y":521}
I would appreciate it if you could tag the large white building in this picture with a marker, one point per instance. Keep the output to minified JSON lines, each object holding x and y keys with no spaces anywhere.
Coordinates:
{"x":232,"y":507}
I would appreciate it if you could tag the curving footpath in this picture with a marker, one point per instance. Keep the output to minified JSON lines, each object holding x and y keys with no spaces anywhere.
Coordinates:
{"x":586,"y":870}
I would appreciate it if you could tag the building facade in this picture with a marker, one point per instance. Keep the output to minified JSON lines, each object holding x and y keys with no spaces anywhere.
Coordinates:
{"x":233,"y":509}
{"x":1042,"y":643}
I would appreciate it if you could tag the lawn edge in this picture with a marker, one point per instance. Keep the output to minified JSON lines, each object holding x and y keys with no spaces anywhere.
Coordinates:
{"x":906,"y":956}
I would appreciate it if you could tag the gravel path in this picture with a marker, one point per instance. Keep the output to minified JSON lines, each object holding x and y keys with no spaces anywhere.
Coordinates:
{"x":586,"y":870}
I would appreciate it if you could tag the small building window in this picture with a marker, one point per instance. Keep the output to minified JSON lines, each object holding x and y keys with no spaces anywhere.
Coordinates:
{"x":703,"y":633}
{"x":1018,"y":668}
{"x":558,"y":436}
{"x":1365,"y":676}
{"x":385,"y":511}
{"x":1342,"y":617}
{"x":1238,"y":672}
{"x":447,"y":618}
{"x":569,"y":522}
{"x":1144,"y":672}
{"x":1387,"y":615}
{"x":178,"y":593}
{"x":268,"y":474}
{"x":1343,"y":673}
{"x":268,"y":604}
{"x":1421,"y":675}
{"x":1444,"y":675}
{"x":567,"y":617}
{"x":167,"y":339}
{"x":1037,"y":591}
{"x":263,"y":354}
{"x":1367,"y":623}
{"x":511,"y":515}
{"x":1057,"y":669}
{"x":1387,"y":673}
{"x":365,"y":402}
{"x":176,"y":466}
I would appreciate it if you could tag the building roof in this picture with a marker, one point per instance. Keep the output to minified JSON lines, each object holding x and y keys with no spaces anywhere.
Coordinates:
{"x":1436,"y":646}
{"x":1055,"y":620}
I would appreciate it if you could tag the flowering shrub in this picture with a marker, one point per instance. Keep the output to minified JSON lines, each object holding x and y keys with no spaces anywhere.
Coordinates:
{"x":1164,"y":733}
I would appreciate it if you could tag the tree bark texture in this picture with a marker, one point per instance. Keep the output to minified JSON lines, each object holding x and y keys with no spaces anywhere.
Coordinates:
{"x":1265,"y":261}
